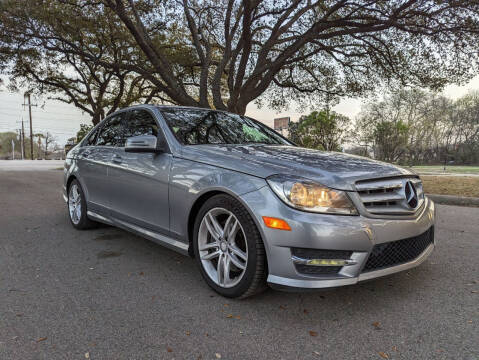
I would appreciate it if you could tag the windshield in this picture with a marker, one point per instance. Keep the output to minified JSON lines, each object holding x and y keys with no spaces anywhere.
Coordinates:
{"x":201,"y":126}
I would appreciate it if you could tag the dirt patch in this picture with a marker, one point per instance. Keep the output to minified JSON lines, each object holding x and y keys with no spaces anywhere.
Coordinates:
{"x":108,"y":254}
{"x":451,"y":185}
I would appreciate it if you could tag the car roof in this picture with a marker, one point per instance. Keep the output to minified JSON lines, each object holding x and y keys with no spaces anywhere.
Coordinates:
{"x":161,"y":107}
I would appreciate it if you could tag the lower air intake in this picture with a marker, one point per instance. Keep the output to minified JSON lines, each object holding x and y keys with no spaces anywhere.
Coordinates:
{"x":398,"y":252}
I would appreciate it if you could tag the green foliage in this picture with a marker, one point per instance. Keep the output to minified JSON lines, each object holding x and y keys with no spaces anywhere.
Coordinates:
{"x":323,"y":130}
{"x":418,"y":127}
{"x":6,"y":146}
{"x":390,"y":139}
{"x":293,"y":133}
{"x":70,"y":52}
{"x":84,"y":130}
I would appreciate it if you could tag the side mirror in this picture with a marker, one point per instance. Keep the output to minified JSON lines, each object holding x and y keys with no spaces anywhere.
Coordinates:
{"x":142,"y":143}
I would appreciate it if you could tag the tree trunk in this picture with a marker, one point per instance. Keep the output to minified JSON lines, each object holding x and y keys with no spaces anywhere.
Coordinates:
{"x":97,"y":117}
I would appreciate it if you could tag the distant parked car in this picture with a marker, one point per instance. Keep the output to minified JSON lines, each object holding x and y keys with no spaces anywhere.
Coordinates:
{"x":248,"y":204}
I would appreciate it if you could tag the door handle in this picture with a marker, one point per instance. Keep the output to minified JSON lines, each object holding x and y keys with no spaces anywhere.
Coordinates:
{"x":117,"y":159}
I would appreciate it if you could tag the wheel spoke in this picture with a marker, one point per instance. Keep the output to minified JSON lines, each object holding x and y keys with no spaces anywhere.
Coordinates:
{"x":208,"y":246}
{"x":227,"y":225}
{"x":237,"y":263}
{"x":78,"y":212}
{"x":233,"y":230}
{"x":219,"y":269}
{"x":75,"y":193}
{"x":240,"y":253}
{"x":211,"y":256}
{"x":226,"y":269}
{"x":211,"y":228}
{"x":216,"y":224}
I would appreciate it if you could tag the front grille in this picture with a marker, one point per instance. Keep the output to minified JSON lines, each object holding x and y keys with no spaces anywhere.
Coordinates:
{"x":398,"y":252}
{"x":305,"y":253}
{"x":389,"y":196}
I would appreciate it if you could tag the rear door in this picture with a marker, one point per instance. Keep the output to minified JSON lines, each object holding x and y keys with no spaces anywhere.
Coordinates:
{"x":93,"y":162}
{"x":139,"y":181}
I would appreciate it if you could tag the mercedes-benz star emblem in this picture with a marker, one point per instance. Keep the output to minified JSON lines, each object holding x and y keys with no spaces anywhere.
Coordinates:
{"x":411,"y":194}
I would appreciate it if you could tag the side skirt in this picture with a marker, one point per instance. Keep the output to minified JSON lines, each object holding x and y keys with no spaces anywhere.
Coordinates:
{"x":160,"y":239}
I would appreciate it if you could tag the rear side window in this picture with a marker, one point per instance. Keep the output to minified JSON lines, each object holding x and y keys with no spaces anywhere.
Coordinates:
{"x":112,"y":132}
{"x":140,"y":122}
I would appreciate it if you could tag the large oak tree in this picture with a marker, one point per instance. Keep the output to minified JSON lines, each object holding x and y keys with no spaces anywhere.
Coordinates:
{"x":226,"y":54}
{"x":301,"y":49}
{"x":61,"y":51}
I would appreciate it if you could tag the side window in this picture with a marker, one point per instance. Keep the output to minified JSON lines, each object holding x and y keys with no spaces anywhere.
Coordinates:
{"x":112,"y":133}
{"x":92,"y":138}
{"x":140,"y":122}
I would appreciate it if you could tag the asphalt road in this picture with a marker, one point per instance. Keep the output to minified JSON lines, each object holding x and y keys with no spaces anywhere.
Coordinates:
{"x":106,"y":294}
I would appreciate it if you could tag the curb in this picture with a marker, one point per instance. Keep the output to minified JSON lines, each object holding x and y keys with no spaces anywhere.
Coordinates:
{"x":454,"y":200}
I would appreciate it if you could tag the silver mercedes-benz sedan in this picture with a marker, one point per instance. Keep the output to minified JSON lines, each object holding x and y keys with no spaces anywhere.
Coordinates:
{"x":250,"y":206}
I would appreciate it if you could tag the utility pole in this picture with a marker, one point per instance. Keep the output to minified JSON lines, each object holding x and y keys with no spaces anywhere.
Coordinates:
{"x":22,"y":139}
{"x":27,"y":95}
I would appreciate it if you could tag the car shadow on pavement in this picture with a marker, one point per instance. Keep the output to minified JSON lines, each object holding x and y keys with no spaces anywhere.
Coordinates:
{"x":371,"y":296}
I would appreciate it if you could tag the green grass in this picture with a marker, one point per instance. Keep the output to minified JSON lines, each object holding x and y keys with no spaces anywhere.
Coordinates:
{"x":453,"y":169}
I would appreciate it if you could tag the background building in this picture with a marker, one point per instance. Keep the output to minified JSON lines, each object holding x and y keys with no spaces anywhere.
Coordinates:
{"x":281,"y":125}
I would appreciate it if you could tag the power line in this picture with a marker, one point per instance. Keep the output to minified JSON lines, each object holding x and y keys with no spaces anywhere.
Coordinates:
{"x":65,"y":107}
{"x":45,"y":113}
{"x":41,"y":130}
{"x":42,"y":122}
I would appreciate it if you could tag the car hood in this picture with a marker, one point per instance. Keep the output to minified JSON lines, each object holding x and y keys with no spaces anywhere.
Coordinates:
{"x":336,"y":170}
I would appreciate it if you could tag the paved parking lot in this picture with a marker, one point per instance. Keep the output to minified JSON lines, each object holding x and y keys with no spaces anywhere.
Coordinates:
{"x":107,"y":294}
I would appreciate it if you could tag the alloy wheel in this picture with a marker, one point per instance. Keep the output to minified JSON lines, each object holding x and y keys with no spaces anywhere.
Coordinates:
{"x":222,"y":247}
{"x":74,"y":204}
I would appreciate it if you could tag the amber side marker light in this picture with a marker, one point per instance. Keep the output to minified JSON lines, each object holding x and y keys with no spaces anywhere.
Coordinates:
{"x":275,"y":223}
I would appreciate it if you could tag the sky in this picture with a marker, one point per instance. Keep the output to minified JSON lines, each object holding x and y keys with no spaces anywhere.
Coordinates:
{"x":63,"y":120}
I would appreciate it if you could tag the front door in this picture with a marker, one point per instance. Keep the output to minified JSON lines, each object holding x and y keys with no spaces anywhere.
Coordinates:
{"x":93,"y":161}
{"x":139,"y":181}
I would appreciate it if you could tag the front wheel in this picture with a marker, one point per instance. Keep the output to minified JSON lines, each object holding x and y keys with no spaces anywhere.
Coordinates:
{"x":228,"y":248}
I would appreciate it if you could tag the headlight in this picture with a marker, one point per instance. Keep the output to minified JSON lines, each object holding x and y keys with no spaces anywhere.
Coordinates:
{"x":307,"y":195}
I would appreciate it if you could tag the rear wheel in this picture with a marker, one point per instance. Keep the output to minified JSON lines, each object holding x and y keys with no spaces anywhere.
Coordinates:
{"x":228,"y":248}
{"x":77,"y":209}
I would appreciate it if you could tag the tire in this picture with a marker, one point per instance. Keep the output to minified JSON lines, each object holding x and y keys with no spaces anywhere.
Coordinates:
{"x":238,"y":251}
{"x":78,"y":217}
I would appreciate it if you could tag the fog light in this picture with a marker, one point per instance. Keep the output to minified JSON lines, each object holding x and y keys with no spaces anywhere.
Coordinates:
{"x":323,"y":262}
{"x":275,"y":223}
{"x":326,"y":262}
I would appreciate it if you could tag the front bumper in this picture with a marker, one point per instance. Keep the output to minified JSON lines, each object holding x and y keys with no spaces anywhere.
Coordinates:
{"x":357,"y":234}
